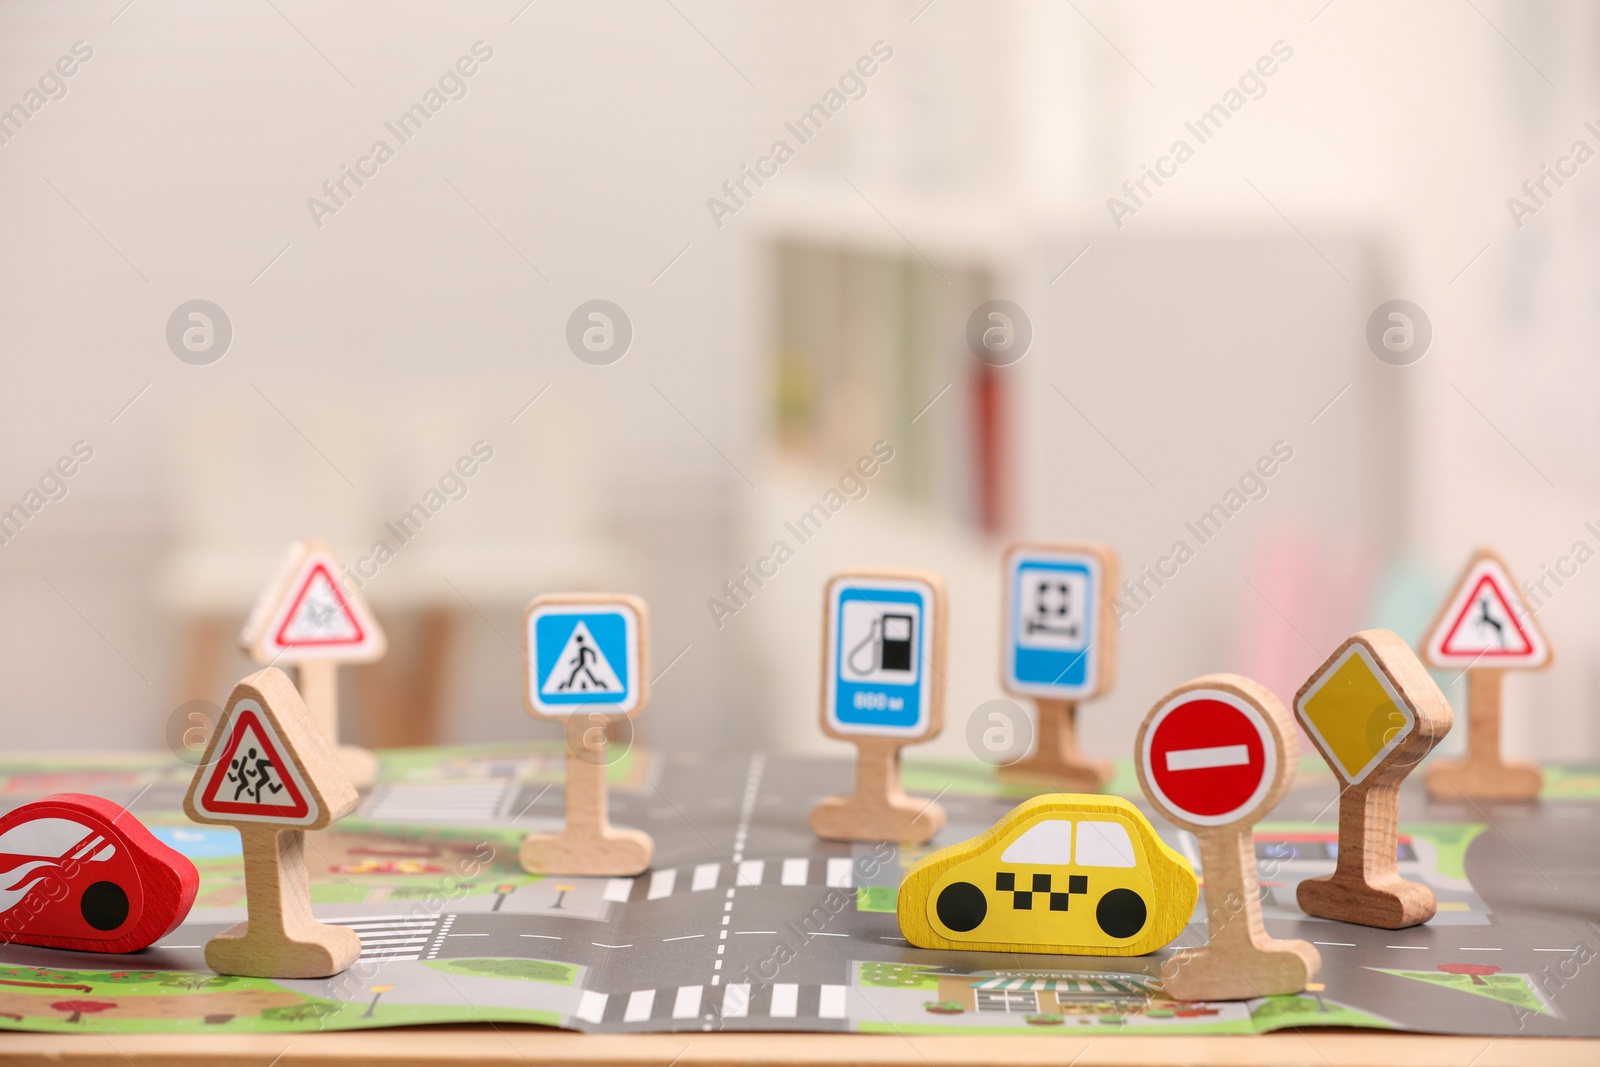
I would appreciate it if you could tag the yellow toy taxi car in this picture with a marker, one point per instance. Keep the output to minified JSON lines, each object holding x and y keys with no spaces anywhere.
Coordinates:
{"x":1063,"y":872}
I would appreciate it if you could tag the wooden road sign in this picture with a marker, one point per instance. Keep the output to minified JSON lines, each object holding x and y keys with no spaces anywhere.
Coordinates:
{"x":1374,"y":712}
{"x":270,"y":773}
{"x":587,"y":665}
{"x":1214,"y":756}
{"x":310,"y":617}
{"x":883,"y":648}
{"x":1058,"y":646}
{"x":1485,"y":629}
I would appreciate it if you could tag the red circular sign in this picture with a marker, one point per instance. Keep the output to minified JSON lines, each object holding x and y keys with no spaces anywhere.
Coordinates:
{"x":1209,"y":757}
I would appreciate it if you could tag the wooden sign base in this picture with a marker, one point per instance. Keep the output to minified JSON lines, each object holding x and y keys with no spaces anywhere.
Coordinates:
{"x":879,"y":810}
{"x":1366,"y":887}
{"x":319,"y":688}
{"x":1484,"y":774}
{"x":1056,"y":760}
{"x":1240,"y":962}
{"x":281,"y":938}
{"x":589,"y":844}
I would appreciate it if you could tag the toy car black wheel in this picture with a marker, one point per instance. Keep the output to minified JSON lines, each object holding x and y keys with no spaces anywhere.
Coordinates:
{"x":104,"y":905}
{"x":961,"y":906}
{"x":1120,"y":913}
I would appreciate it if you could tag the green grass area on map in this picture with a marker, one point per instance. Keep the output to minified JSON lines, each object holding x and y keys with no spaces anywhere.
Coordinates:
{"x":1309,"y":1010}
{"x":547,"y":971}
{"x":879,"y":898}
{"x":897,"y":976}
{"x":1514,"y":989}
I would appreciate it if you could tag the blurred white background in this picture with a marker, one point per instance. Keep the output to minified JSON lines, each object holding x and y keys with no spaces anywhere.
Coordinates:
{"x":777,"y":338}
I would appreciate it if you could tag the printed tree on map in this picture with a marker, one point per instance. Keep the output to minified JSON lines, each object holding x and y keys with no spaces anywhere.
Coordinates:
{"x":1480,"y":980}
{"x":1471,"y":970}
{"x":80,"y":1008}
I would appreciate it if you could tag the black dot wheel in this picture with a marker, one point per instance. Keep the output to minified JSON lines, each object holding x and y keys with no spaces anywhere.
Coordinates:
{"x":961,"y":906}
{"x":1120,"y":913}
{"x":104,"y":906}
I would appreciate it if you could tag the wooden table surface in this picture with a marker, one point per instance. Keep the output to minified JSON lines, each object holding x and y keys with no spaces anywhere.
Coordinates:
{"x":525,"y":1046}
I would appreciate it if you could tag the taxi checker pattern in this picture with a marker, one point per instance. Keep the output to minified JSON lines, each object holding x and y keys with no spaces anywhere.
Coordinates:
{"x":1134,"y":893}
{"x":1022,"y":899}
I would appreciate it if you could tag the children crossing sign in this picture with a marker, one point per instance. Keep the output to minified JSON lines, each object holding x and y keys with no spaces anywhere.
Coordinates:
{"x":252,"y":777}
{"x":881,"y":644}
{"x":585,"y":655}
{"x":309,"y":614}
{"x":1058,"y":643}
{"x":269,"y":763}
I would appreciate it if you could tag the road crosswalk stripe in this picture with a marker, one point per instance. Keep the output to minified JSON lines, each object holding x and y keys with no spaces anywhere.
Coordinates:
{"x":391,"y":938}
{"x":705,"y":876}
{"x":785,"y":997}
{"x":795,"y":871}
{"x":839,"y":872}
{"x":750,"y":872}
{"x":687,"y":1006}
{"x":661,"y":884}
{"x":831,"y":1003}
{"x":617,"y":890}
{"x":736,"y":1000}
{"x":640,"y":1004}
{"x":592,"y":1006}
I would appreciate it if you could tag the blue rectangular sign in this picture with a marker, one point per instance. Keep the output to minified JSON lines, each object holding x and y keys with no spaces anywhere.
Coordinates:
{"x":879,"y":653}
{"x":1053,"y":608}
{"x":584,"y":657}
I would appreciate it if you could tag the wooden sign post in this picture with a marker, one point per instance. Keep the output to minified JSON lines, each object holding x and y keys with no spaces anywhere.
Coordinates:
{"x":1374,"y":712}
{"x":270,"y":773}
{"x":309,"y":617}
{"x":1059,"y":647}
{"x":1214,"y":756}
{"x":587,"y":665}
{"x":1484,"y":628}
{"x":883,"y":641}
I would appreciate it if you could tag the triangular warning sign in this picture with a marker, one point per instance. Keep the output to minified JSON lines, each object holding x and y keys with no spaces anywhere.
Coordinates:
{"x":581,"y":667}
{"x":309,"y":612}
{"x":269,"y":763}
{"x":1484,"y":623}
{"x":319,"y":614}
{"x":253,"y":777}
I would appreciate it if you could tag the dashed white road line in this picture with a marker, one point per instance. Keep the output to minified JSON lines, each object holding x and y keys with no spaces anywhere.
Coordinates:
{"x":746,"y":873}
{"x":1469,"y":948}
{"x":684,"y":937}
{"x":597,"y":944}
{"x":546,"y":937}
{"x":1419,"y":948}
{"x":1340,"y":944}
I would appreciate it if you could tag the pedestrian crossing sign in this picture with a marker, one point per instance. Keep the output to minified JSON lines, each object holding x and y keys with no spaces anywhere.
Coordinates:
{"x":1058,"y":643}
{"x":586,"y":654}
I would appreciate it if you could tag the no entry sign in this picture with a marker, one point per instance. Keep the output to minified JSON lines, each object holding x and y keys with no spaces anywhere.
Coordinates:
{"x":1208,"y":757}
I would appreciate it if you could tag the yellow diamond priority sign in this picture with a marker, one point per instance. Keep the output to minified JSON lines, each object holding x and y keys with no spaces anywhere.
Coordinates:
{"x":1364,"y":705}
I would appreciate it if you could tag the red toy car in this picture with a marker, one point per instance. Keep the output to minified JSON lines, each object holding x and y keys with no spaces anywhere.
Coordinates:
{"x":79,"y":872}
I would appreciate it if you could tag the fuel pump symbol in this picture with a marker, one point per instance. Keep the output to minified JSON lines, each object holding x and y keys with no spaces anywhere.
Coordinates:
{"x":888,"y":646}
